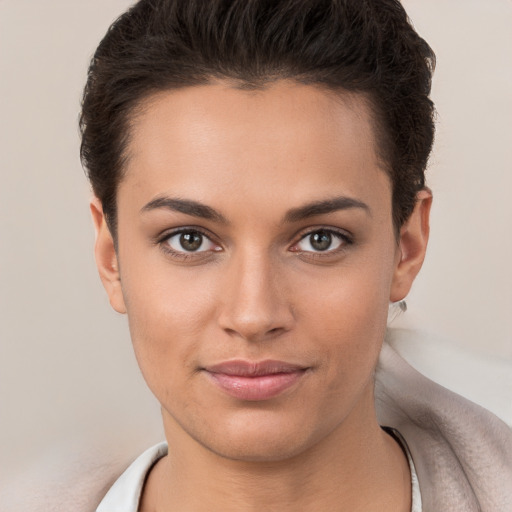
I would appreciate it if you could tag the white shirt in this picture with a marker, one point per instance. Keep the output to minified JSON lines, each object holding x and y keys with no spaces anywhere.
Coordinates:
{"x":124,"y":495}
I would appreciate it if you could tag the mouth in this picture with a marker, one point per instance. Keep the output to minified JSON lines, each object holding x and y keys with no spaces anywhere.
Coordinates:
{"x":255,"y":381}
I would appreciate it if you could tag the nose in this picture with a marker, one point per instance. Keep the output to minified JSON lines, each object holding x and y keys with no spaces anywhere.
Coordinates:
{"x":255,"y":306}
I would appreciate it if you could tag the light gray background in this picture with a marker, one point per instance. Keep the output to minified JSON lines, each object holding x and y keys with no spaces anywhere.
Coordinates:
{"x":66,"y":367}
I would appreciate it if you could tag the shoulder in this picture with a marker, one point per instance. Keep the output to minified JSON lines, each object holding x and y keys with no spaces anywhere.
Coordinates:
{"x":76,"y":477}
{"x":462,"y":452}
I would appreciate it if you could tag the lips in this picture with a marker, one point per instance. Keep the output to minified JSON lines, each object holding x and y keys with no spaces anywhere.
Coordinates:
{"x":255,"y":381}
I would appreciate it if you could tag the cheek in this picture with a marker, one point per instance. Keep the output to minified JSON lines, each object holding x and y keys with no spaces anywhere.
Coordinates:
{"x":351,"y":297}
{"x":346,"y":317}
{"x":168,"y":311}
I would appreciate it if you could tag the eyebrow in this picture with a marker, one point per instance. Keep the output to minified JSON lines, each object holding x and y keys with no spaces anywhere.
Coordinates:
{"x":186,"y":206}
{"x":324,"y":207}
{"x":196,"y":209}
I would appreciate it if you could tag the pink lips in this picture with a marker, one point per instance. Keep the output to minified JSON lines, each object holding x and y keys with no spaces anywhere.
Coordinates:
{"x":247,"y":380}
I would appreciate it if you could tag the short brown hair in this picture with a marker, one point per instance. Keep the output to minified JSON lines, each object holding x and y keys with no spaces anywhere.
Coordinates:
{"x":366,"y":46}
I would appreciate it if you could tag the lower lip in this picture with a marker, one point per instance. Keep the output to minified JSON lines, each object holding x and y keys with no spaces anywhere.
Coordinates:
{"x":262,"y":387}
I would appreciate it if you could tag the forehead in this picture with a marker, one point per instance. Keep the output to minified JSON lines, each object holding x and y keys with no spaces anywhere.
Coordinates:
{"x":284,"y":139}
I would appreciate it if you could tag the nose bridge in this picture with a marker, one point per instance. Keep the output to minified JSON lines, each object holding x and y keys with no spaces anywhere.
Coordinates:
{"x":255,"y":306}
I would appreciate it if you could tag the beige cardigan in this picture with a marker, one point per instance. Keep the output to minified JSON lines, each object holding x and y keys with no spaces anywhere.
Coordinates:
{"x":462,"y":452}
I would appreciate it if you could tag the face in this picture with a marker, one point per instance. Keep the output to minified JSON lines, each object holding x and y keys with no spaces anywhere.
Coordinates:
{"x":256,"y":261}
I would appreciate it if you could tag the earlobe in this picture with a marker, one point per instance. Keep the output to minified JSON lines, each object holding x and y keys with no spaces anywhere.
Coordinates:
{"x":412,"y":246}
{"x":106,"y":257}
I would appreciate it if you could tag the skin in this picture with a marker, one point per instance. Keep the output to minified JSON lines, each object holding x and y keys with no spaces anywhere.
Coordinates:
{"x":259,"y":289}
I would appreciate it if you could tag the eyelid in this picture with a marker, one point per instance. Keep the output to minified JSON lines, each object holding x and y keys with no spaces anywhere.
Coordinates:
{"x":166,"y":235}
{"x":346,"y":238}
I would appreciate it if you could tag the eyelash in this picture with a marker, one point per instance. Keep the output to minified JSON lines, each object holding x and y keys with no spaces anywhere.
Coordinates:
{"x":185,"y":255}
{"x":344,"y":238}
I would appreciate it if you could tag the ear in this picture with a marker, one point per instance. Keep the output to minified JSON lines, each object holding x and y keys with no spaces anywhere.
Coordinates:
{"x":412,"y":246}
{"x":106,"y":257}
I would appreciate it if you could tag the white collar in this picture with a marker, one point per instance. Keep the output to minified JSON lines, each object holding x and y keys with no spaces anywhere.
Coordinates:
{"x":124,"y":495}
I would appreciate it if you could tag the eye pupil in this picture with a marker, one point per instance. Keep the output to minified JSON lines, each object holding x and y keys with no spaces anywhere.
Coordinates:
{"x":191,"y":241}
{"x":321,"y":240}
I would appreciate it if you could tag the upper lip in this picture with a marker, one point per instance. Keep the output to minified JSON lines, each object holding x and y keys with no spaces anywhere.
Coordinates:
{"x":243,"y":368}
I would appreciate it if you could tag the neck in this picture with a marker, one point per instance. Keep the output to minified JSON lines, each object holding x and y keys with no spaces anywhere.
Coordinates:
{"x":353,"y":469}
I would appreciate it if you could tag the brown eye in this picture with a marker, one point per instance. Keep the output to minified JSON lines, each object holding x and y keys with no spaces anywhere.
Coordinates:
{"x":190,"y":241}
{"x":321,"y":240}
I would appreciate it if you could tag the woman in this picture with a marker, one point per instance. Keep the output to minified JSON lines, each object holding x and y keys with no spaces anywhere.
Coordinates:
{"x":258,"y":170}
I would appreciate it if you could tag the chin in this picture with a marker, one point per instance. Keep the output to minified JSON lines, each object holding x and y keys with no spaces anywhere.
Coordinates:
{"x":251,"y":438}
{"x":259,"y":448}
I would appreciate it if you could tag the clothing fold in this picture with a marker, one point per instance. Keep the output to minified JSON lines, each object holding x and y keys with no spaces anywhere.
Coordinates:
{"x":462,"y":452}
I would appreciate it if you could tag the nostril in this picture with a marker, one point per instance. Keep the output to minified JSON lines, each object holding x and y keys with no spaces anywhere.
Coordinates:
{"x":256,"y":334}
{"x":275,"y":331}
